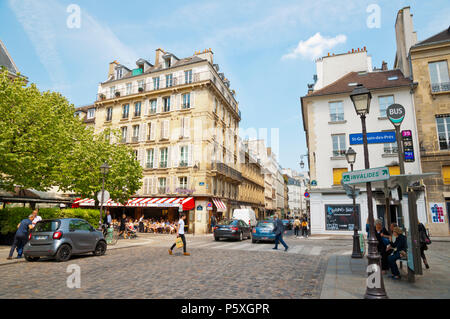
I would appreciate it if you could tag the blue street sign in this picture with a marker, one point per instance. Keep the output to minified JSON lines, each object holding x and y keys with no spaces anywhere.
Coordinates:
{"x":373,"y":138}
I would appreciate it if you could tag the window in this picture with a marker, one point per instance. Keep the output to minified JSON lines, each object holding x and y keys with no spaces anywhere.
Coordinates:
{"x":135,"y":133}
{"x":168,"y":80}
{"x":109,"y":114}
{"x":163,"y":159}
{"x":186,"y":100}
{"x":384,"y":102}
{"x":165,"y":129}
{"x":167,"y":63}
{"x":394,"y":170}
{"x":188,"y":76}
{"x":149,"y":162}
{"x":166,"y":101}
{"x":162,"y":185}
{"x":125,"y":111}
{"x":112,"y":90}
{"x":124,"y":134}
{"x":91,"y":113}
{"x":137,"y":109}
{"x":338,"y":145}
{"x":215,"y":105}
{"x":336,"y":111}
{"x":119,"y":73}
{"x":140,"y":85}
{"x":151,"y":131}
{"x":156,"y":83}
{"x":443,"y":129}
{"x":135,"y":153}
{"x":439,"y":76}
{"x":183,"y":182}
{"x":128,"y":88}
{"x":183,"y":156}
{"x":390,"y":148}
{"x":446,"y":174}
{"x":152,"y":106}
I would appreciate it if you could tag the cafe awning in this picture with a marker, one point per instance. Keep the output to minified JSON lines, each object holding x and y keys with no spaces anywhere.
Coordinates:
{"x":187,"y":203}
{"x":221,"y":207}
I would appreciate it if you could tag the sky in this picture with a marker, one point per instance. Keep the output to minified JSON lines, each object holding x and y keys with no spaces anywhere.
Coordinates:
{"x":265,"y":48}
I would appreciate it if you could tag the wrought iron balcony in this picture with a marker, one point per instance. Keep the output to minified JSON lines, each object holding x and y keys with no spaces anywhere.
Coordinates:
{"x":440,"y":87}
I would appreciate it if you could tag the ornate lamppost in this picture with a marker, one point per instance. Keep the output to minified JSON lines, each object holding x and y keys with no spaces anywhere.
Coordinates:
{"x":350,"y":155}
{"x":361,"y":98}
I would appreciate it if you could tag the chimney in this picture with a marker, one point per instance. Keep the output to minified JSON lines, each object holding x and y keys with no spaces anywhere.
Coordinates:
{"x":112,"y":67}
{"x":384,"y":66}
{"x":158,"y":57}
{"x":206,"y":54}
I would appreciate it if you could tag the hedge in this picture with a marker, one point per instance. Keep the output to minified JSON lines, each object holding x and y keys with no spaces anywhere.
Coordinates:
{"x":11,"y":217}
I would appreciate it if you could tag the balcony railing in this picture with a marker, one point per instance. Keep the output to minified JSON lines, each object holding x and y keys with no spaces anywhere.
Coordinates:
{"x":135,"y":139}
{"x":440,"y":87}
{"x":149,"y":165}
{"x":161,"y":190}
{"x":176,"y":81}
{"x":163,"y":164}
{"x":226,"y":170}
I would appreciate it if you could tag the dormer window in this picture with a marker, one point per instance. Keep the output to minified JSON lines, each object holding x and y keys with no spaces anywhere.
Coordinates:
{"x":91,"y":113}
{"x":167,"y":63}
{"x":119,"y":73}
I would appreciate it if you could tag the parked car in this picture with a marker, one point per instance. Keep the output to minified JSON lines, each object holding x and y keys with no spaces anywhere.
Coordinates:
{"x":234,"y":229}
{"x":62,"y":238}
{"x":287,"y":224}
{"x":264,"y":231}
{"x":247,"y":215}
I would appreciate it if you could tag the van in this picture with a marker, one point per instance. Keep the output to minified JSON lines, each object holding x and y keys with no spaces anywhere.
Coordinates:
{"x":245,"y":214}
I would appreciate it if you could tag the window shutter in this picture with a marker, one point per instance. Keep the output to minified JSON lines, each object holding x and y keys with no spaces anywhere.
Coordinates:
{"x":187,"y":127}
{"x":155,"y":158}
{"x":192,"y":99}
{"x":145,"y":186}
{"x":129,"y":133}
{"x":143,"y":128}
{"x":166,"y":132}
{"x":146,"y":106}
{"x":141,"y":157}
{"x":176,"y":155}
{"x":190,"y":160}
{"x":159,"y":105}
{"x":153,"y":130}
{"x":174,"y":184}
{"x":169,"y":155}
{"x":189,"y":186}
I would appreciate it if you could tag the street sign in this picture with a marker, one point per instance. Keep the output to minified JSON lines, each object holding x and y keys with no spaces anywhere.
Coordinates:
{"x":373,"y":138}
{"x":306,"y":194}
{"x":366,"y":175}
{"x":408,"y":148}
{"x":395,"y":113}
{"x":313,"y":182}
{"x":106,"y":196}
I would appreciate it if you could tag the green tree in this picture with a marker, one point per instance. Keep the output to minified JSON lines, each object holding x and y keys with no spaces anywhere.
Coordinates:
{"x":80,"y":172}
{"x":36,"y":130}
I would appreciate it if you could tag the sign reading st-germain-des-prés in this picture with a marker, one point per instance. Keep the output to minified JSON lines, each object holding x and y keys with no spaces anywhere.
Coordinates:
{"x":366,"y":175}
{"x":373,"y":138}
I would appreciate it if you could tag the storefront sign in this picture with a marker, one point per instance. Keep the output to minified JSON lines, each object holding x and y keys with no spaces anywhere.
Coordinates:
{"x":340,"y":217}
{"x":408,"y":148}
{"x":373,"y":138}
{"x":366,"y":175}
{"x":437,"y":213}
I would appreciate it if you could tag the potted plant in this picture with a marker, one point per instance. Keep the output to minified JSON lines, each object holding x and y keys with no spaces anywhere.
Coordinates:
{"x":117,"y":93}
{"x":102,"y":96}
{"x":141,"y":89}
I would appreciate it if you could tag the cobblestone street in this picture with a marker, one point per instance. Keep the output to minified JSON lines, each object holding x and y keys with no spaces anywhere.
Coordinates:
{"x":224,"y":269}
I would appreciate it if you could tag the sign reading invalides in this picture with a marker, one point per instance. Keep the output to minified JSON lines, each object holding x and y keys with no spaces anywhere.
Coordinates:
{"x":340,"y":217}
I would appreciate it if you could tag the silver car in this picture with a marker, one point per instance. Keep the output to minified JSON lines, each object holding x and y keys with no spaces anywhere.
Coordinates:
{"x":62,"y":238}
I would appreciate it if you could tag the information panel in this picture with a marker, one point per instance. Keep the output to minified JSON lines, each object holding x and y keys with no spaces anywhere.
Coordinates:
{"x":340,"y":217}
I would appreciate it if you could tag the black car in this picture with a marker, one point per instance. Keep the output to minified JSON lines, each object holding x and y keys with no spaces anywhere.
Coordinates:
{"x":234,"y":229}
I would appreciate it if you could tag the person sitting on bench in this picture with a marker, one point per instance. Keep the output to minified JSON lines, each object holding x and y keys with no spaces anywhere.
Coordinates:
{"x":399,"y":244}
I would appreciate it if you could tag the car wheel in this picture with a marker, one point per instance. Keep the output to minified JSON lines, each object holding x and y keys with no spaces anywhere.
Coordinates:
{"x":240,"y":236}
{"x":216,"y":238}
{"x":100,"y":249}
{"x":31,"y":259}
{"x":64,"y":253}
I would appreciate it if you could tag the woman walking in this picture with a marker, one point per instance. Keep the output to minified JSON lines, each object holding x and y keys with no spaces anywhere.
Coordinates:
{"x":297,"y":225}
{"x":424,"y":242}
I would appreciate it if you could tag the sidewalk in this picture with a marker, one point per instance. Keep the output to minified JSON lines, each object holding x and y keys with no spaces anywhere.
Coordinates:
{"x":345,"y":278}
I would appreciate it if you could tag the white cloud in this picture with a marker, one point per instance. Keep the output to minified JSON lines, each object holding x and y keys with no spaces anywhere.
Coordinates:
{"x":315,"y":46}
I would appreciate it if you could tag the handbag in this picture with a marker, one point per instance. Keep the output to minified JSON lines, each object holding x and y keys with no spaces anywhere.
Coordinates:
{"x":179,"y":242}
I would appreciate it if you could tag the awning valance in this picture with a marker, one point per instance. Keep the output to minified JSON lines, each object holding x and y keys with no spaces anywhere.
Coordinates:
{"x":187,"y":203}
{"x":221,"y":207}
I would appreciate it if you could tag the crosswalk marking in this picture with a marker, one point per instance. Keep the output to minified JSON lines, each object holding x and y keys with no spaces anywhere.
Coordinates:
{"x":295,"y":250}
{"x":257,"y":247}
{"x":225,"y":245}
{"x":242,"y":246}
{"x":202,"y":245}
{"x":315,"y":251}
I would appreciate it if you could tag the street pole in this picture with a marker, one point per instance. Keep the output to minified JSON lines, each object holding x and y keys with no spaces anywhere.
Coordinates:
{"x":356,"y":247}
{"x":373,"y":291}
{"x":401,"y":161}
{"x":101,"y":204}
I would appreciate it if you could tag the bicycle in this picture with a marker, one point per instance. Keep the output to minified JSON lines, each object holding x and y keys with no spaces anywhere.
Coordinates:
{"x":111,"y":235}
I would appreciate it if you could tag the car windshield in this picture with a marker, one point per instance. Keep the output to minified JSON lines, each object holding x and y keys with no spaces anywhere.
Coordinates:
{"x":229,"y":222}
{"x":47,"y":225}
{"x":265,"y":225}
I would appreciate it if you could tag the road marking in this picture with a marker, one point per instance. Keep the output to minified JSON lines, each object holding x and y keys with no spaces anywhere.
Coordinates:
{"x":202,"y":245}
{"x":315,"y":251}
{"x":225,"y":245}
{"x":243,"y":246}
{"x":295,"y":249}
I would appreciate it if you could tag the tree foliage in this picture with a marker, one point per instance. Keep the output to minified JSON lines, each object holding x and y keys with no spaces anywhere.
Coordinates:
{"x":42,"y":144}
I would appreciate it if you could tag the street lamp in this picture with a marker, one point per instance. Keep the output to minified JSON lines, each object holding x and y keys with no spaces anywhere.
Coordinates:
{"x":104,"y":169}
{"x":361,"y":101}
{"x":350,"y":155}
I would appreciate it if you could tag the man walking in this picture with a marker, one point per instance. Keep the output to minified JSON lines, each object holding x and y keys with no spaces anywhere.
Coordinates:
{"x":279,"y":230}
{"x":213,"y":223}
{"x":304,"y":228}
{"x":21,"y":236}
{"x":180,"y":233}
{"x":297,"y":225}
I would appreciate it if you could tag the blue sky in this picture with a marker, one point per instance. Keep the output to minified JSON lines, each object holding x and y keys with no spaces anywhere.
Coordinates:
{"x":254,"y":42}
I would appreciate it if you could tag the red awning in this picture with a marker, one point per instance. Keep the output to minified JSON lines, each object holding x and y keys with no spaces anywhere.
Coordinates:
{"x":221,"y":207}
{"x":187,"y":203}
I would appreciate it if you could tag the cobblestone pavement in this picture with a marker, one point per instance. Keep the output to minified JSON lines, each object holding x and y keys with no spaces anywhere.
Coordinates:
{"x":224,"y":269}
